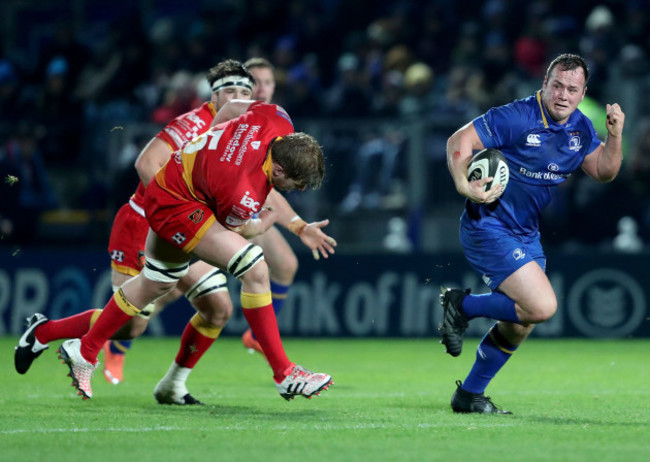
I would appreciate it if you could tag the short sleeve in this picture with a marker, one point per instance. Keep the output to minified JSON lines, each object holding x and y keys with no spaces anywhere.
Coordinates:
{"x":502,"y":125}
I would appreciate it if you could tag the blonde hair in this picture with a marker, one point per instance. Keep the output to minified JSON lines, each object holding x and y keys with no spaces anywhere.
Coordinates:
{"x":301,"y":157}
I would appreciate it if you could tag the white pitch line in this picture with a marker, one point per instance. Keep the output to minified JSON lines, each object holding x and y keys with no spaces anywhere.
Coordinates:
{"x":83,"y":430}
{"x":238,"y":428}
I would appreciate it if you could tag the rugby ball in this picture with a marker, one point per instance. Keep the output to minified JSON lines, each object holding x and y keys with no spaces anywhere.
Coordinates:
{"x":489,"y":162}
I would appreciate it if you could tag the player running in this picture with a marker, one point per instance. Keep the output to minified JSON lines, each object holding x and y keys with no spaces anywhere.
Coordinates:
{"x":545,"y":138}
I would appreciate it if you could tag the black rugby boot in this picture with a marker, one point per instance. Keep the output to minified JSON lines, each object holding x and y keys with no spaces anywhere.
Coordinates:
{"x":454,"y":320}
{"x":465,"y":402}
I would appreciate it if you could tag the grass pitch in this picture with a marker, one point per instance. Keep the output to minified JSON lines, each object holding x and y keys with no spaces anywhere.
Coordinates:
{"x":573,"y":400}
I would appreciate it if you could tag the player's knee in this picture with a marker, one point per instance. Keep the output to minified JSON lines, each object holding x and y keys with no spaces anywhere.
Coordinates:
{"x":286,"y":268}
{"x":248,"y":264}
{"x":543,"y":310}
{"x":215,"y":308}
{"x":259,"y":274}
{"x":131,"y":330}
{"x":136,"y":330}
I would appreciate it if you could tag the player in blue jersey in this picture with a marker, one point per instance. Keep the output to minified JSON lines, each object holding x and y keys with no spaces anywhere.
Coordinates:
{"x":545,"y":138}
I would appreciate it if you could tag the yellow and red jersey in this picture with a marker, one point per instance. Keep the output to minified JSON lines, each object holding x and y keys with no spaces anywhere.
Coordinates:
{"x":176,"y":133}
{"x":228,"y":167}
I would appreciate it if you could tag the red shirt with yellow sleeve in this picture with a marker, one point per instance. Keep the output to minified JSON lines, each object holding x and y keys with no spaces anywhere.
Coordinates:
{"x":225,"y":172}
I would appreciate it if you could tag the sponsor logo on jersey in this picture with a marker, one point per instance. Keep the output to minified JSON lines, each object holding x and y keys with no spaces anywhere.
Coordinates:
{"x":198,"y":122}
{"x":518,"y":254}
{"x":117,"y":255}
{"x":233,"y":143}
{"x":254,"y":130}
{"x":256,"y":145}
{"x":486,"y":280}
{"x":485,"y":125}
{"x":553,"y":167}
{"x":533,"y":139}
{"x":196,"y":216}
{"x":543,"y":175}
{"x":240,"y":211}
{"x":179,"y":238}
{"x":575,"y":144}
{"x":176,"y":137}
{"x":235,"y":221}
{"x":249,"y":202}
{"x":141,"y":258}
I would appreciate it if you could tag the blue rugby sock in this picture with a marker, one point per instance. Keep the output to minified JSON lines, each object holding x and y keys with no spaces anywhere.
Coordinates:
{"x":494,"y":305}
{"x":120,"y":347}
{"x":279,"y":294}
{"x":491,"y":354}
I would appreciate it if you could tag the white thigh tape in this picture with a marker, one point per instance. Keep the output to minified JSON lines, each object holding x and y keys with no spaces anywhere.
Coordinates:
{"x":212,"y":281}
{"x":244,"y":260}
{"x":161,"y":271}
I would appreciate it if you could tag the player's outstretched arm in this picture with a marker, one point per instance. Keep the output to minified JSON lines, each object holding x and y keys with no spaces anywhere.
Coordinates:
{"x":311,"y":234}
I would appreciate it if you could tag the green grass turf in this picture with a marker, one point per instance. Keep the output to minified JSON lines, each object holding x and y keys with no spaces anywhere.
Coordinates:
{"x":573,"y":400}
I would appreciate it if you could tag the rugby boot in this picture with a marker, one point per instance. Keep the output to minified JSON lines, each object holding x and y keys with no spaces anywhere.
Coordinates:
{"x":29,"y":348}
{"x":454,"y":320}
{"x":298,"y":381}
{"x":113,"y":365}
{"x":250,"y":343}
{"x":465,"y":402}
{"x":81,"y":371}
{"x":174,"y":392}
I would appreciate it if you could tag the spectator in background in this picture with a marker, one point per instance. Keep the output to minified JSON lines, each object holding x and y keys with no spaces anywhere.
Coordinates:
{"x":64,"y":44}
{"x":464,"y":95}
{"x":13,"y":101}
{"x":599,"y":46}
{"x":348,"y":96}
{"x":530,"y":48}
{"x":375,"y":164}
{"x":303,"y":99}
{"x":60,"y":113}
{"x":179,"y":98}
{"x":25,"y":188}
{"x":418,"y":98}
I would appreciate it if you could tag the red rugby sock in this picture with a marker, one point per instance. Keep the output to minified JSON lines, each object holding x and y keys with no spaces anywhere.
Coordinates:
{"x":265,"y":328}
{"x":193,"y":345}
{"x":71,"y":327}
{"x":111,"y":319}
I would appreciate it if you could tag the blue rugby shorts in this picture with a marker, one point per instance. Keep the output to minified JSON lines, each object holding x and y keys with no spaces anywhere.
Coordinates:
{"x":495,"y":254}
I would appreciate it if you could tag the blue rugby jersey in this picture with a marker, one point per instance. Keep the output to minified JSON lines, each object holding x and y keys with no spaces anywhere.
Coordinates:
{"x":541,"y":154}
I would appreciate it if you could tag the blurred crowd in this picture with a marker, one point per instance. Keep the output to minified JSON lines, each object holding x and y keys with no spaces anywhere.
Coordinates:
{"x":71,"y":79}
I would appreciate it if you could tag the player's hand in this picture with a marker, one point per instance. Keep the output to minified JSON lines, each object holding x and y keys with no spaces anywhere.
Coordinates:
{"x":615,"y":120}
{"x":476,"y":194}
{"x":256,"y":226}
{"x":320,"y":243}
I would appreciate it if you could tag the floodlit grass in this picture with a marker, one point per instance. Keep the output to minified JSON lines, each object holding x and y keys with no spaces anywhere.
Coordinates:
{"x":576,"y":400}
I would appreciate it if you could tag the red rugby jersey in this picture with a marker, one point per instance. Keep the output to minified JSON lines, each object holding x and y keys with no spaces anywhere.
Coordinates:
{"x":228,"y":168}
{"x":183,"y":128}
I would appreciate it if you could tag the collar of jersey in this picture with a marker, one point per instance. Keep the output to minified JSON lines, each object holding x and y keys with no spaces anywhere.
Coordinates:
{"x":541,"y":108}
{"x":267,"y":166}
{"x":213,"y":110}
